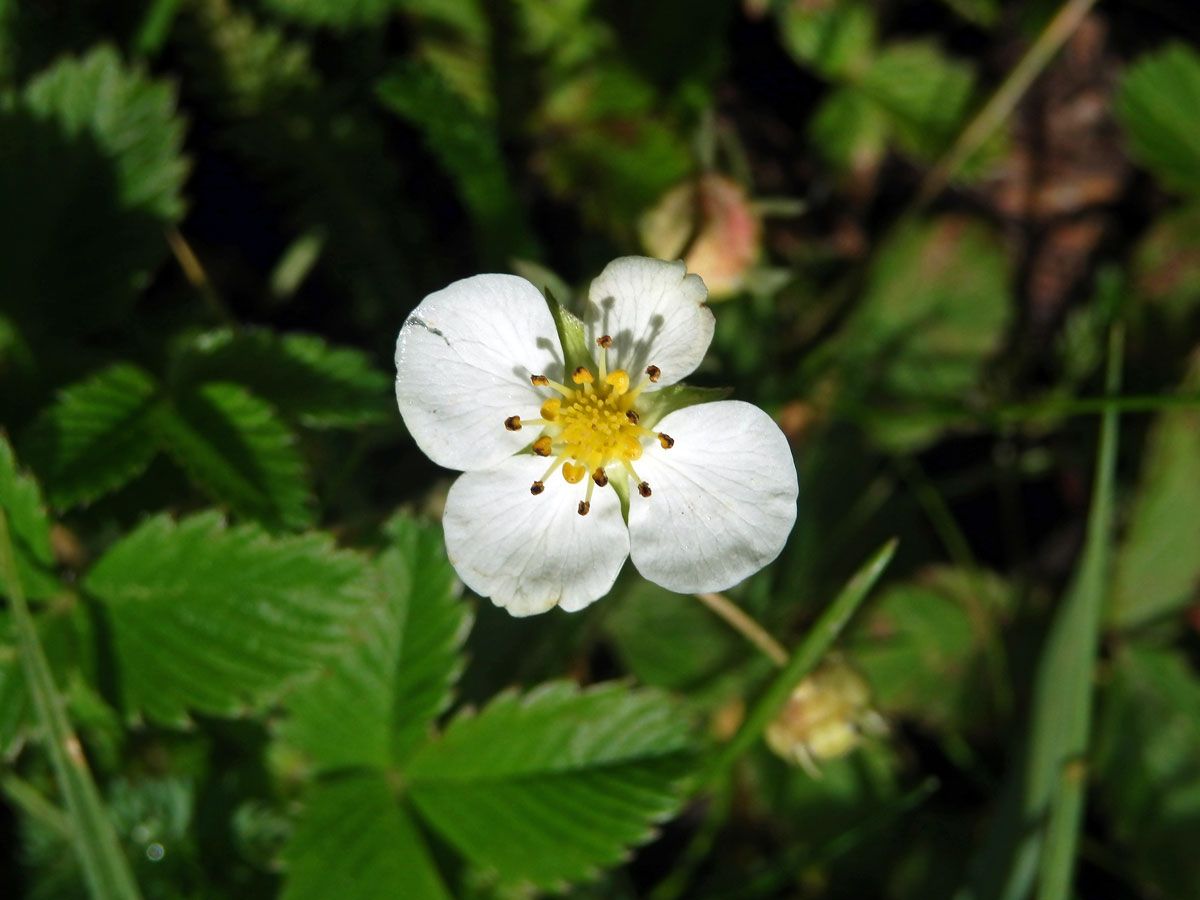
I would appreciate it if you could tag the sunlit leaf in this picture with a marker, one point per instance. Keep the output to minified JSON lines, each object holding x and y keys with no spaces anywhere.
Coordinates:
{"x":924,"y":92}
{"x":376,"y":701}
{"x":131,"y":117}
{"x":217,"y":619}
{"x":355,"y":842}
{"x":96,"y":435}
{"x":1158,"y":104}
{"x":236,"y":449}
{"x":584,"y":773}
{"x":28,"y":527}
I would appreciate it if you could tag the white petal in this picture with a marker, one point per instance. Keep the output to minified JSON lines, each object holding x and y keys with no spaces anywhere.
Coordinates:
{"x":463,"y":361}
{"x":655,"y":314}
{"x":529,"y":553}
{"x":723,"y":498}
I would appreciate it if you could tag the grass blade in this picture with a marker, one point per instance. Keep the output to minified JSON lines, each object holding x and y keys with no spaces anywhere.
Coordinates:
{"x":105,"y":868}
{"x":1063,"y":694}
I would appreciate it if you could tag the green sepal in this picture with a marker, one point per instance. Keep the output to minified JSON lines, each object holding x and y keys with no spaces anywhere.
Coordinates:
{"x":619,"y":482}
{"x":652,"y":406}
{"x":571,"y":335}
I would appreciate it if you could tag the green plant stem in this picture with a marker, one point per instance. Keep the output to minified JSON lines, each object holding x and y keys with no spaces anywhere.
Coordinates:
{"x":740,"y":622}
{"x":30,"y":801}
{"x":807,"y":655}
{"x":1001,"y":104}
{"x":1075,"y":642}
{"x":105,"y":867}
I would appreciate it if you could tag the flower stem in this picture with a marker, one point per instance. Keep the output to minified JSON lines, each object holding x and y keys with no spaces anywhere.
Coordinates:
{"x":737,"y":619}
{"x":105,"y":868}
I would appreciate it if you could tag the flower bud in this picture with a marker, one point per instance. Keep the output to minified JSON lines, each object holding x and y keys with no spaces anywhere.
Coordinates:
{"x":825,"y":718}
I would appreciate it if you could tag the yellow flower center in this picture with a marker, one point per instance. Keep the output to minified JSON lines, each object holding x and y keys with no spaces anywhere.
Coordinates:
{"x":592,"y":428}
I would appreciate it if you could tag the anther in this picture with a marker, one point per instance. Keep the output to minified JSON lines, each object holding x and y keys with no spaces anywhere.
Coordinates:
{"x":539,"y":380}
{"x":654,"y":372}
{"x":584,"y":506}
{"x":633,"y":417}
{"x":604,"y":341}
{"x":542,"y":445}
{"x":600,"y":477}
{"x":550,"y":409}
{"x":619,"y":379}
{"x":666,"y":440}
{"x":513,"y":423}
{"x":644,"y":489}
{"x":582,"y":376}
{"x":573,"y":473}
{"x":537,"y":488}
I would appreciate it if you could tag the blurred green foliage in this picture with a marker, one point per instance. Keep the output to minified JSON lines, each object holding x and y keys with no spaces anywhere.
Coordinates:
{"x":217,"y":214}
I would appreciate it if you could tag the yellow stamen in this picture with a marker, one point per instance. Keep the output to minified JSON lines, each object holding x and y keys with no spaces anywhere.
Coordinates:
{"x":542,"y":445}
{"x":666,"y":440}
{"x":550,"y":409}
{"x":573,"y":473}
{"x":582,"y":376}
{"x":605,"y":342}
{"x":619,"y":379}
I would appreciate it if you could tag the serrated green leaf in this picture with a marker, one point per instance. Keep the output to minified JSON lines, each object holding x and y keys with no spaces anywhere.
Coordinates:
{"x":925,"y":94}
{"x":95,"y":437}
{"x":28,"y":527}
{"x":217,"y":619}
{"x":837,"y":39}
{"x":355,"y":842}
{"x":1158,"y":105}
{"x":376,"y":702}
{"x":1157,"y":567}
{"x":237,"y":450}
{"x":131,"y":116}
{"x":300,"y":375}
{"x":467,"y":146}
{"x":557,"y":783}
{"x":1147,"y":764}
{"x":91,"y":173}
{"x":935,"y":309}
{"x":921,"y":645}
{"x":850,"y":129}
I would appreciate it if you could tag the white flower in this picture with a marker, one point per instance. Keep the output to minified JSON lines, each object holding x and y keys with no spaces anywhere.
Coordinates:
{"x":536,"y":520}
